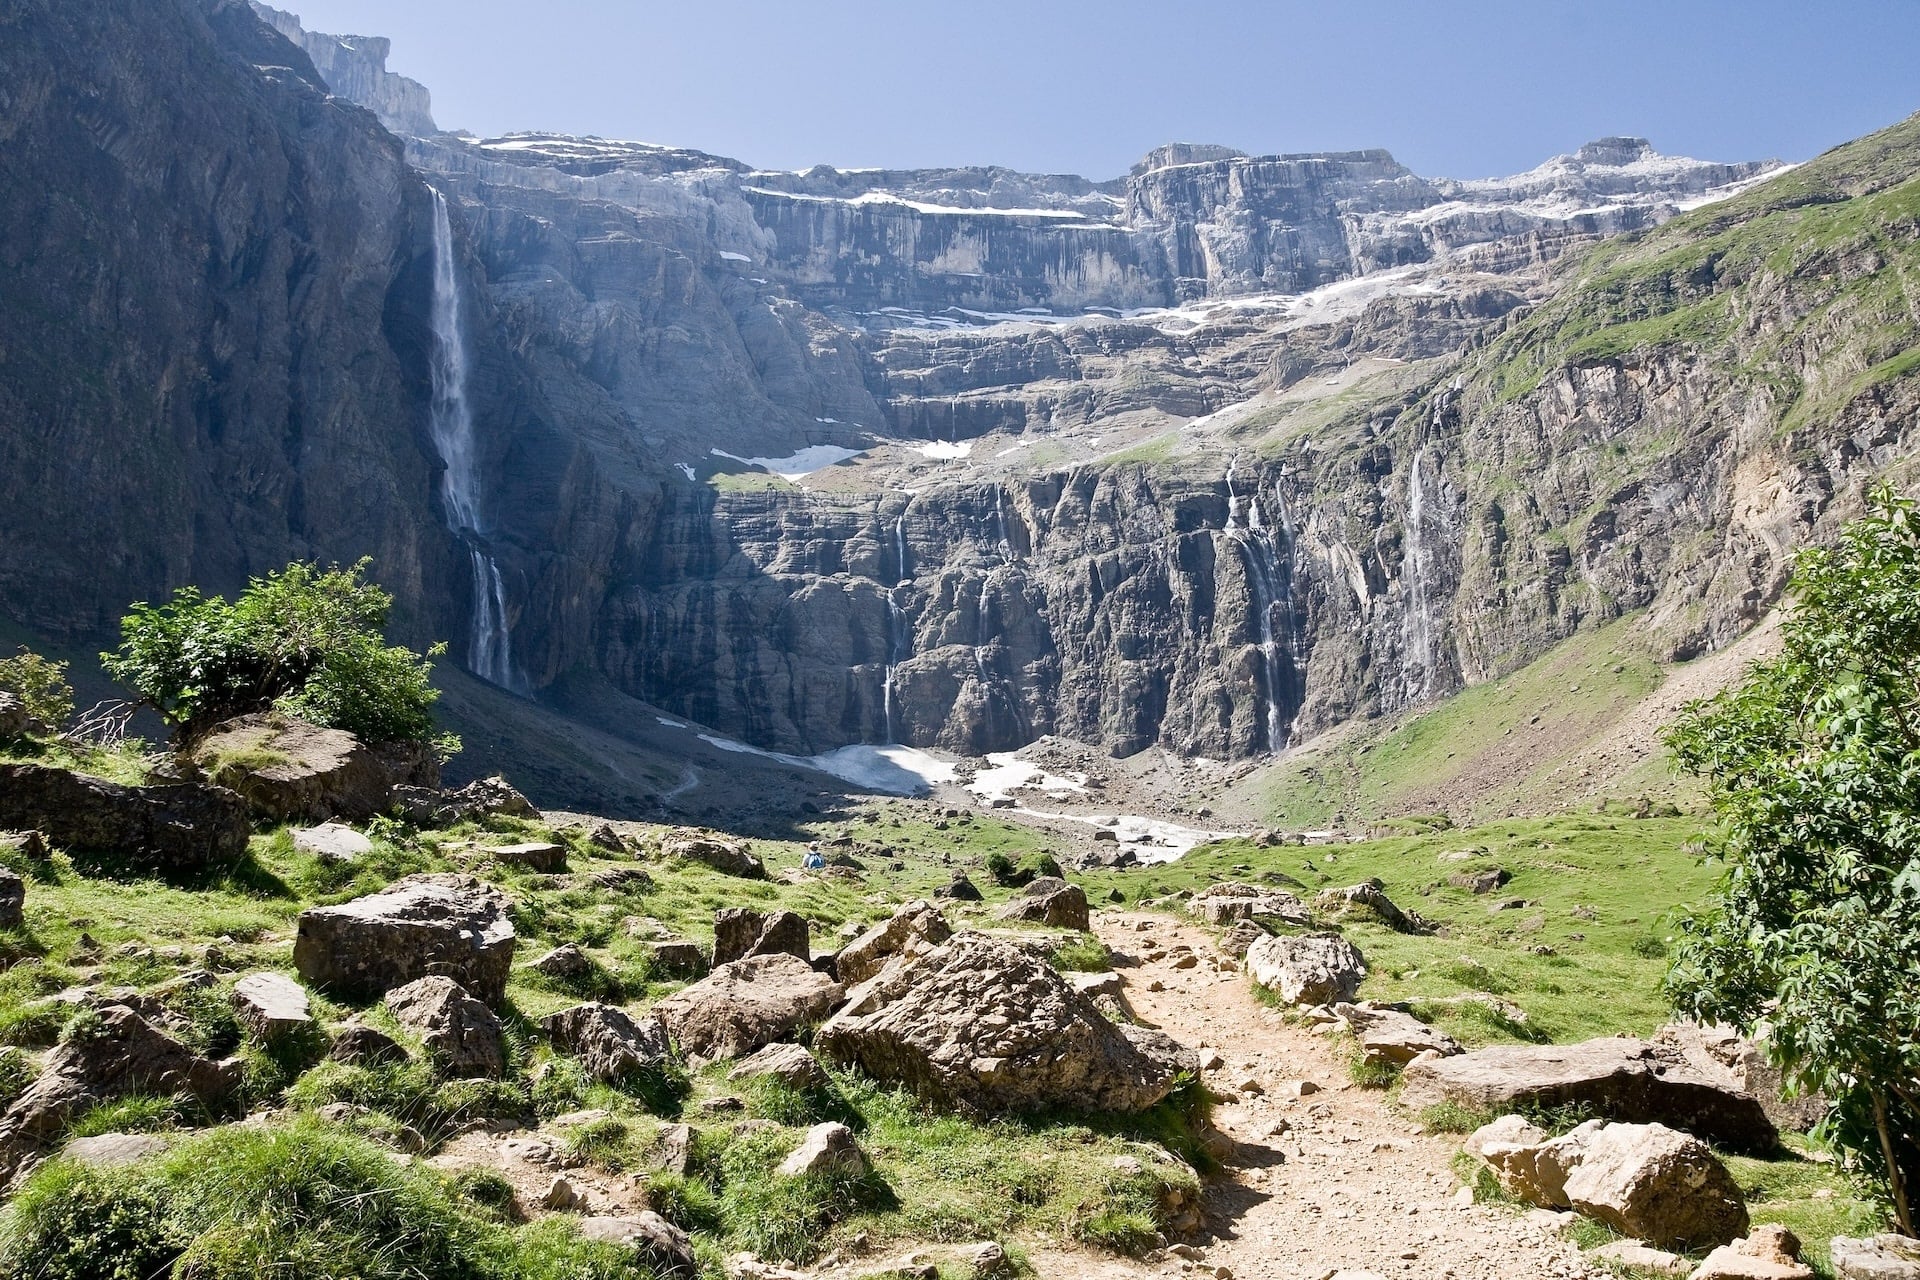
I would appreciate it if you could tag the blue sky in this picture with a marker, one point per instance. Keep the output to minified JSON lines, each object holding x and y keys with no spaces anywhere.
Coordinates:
{"x":1463,"y":89}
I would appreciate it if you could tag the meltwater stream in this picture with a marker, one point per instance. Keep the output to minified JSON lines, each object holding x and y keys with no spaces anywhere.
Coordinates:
{"x":489,"y":647}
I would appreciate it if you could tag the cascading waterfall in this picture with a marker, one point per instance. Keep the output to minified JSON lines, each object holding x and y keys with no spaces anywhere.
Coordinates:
{"x":899,"y":634}
{"x":1000,"y":525}
{"x":1248,"y":527}
{"x":1416,"y":570}
{"x":489,"y":646}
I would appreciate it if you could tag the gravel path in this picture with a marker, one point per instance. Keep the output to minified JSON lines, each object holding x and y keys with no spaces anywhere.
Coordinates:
{"x":1333,"y":1181}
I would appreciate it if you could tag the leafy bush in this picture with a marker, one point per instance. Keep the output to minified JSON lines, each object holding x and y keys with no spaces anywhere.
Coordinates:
{"x":1085,"y":954}
{"x":74,"y":1223}
{"x":305,"y":640}
{"x":1810,"y":763}
{"x":40,"y":684}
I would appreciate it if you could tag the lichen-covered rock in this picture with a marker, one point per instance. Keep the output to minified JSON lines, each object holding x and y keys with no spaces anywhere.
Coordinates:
{"x":1230,"y":901}
{"x":1618,"y":1078}
{"x":176,"y":826}
{"x":481,"y":798}
{"x":117,"y":1054}
{"x":1051,"y":901}
{"x":610,"y":1043}
{"x":1659,"y":1185}
{"x":289,"y":770}
{"x":915,"y":927}
{"x":982,"y":1026}
{"x":432,"y":924}
{"x":742,"y":1006}
{"x":460,"y":1034}
{"x":725,"y":856}
{"x":1370,"y":895}
{"x":1308,"y":969}
{"x":740,"y":932}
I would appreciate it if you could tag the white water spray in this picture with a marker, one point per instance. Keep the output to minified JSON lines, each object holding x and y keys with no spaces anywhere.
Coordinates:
{"x":489,"y":646}
{"x":1270,"y":593}
{"x":1416,"y":568}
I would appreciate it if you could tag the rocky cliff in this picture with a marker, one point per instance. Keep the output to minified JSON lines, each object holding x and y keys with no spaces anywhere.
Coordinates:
{"x":1213,"y":456}
{"x":355,"y":67}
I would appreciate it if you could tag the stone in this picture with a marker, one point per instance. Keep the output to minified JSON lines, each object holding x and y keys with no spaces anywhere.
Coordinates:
{"x":1390,"y":1035}
{"x":481,"y":798}
{"x":364,"y":1046}
{"x":1769,"y":1253}
{"x":1657,"y":1184}
{"x":1618,"y":1078}
{"x":1529,"y":1165}
{"x":1480,"y":882}
{"x":987,"y":1261}
{"x":724,"y":856}
{"x":1370,"y":895}
{"x":462,"y":1036}
{"x":828,"y":1149}
{"x":1099,"y":984}
{"x":604,"y":836}
{"x":1240,"y":937}
{"x":1882,"y":1257}
{"x":1051,"y":901}
{"x":120,"y":1053}
{"x":610,"y":1043}
{"x":1720,"y":1053}
{"x":740,"y":932}
{"x":674,"y":1152}
{"x":289,"y":770}
{"x":535,"y":855}
{"x":742,"y":1006}
{"x":961,"y":889}
{"x":430,"y":924}
{"x":1634,"y":1255}
{"x":663,"y":1246}
{"x":115,"y":1150}
{"x":984,"y":1027}
{"x":13,"y":900}
{"x":1229,"y":902}
{"x":272,"y":1006}
{"x":676,"y":958}
{"x":565,"y":963}
{"x":916,"y":927}
{"x":332,"y":842}
{"x":14,"y":720}
{"x":1308,"y":969}
{"x":184,"y":826}
{"x":791,"y":1064}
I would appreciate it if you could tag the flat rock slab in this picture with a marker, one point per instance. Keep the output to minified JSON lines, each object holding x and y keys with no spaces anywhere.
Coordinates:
{"x":435,"y":924}
{"x":271,"y":1005}
{"x":1619,"y":1078}
{"x":534,"y":855}
{"x":114,"y":1150}
{"x":332,"y":842}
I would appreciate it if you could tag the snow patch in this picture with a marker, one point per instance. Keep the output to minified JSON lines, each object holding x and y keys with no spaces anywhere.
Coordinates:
{"x":946,"y":450}
{"x":900,"y":771}
{"x":672,"y":724}
{"x":686,"y":469}
{"x":1009,"y":773}
{"x":794,"y":465}
{"x":727,"y":255}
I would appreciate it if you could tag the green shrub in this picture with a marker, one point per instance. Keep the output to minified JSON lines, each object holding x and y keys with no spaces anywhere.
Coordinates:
{"x":1084,"y":954}
{"x":75,"y":1223}
{"x":305,"y":639}
{"x":41,"y":685}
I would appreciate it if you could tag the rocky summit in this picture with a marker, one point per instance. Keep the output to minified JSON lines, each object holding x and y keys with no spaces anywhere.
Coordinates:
{"x":577,"y":706}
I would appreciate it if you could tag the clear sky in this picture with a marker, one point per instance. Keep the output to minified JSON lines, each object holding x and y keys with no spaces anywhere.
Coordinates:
{"x":1460,"y":88}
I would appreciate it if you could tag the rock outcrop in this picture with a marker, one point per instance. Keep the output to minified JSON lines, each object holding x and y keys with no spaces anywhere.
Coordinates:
{"x":982,"y":1026}
{"x":461,"y":1035}
{"x":181,"y":826}
{"x":1620,"y":1078}
{"x":1307,"y":969}
{"x":610,"y":1044}
{"x":1229,"y":902}
{"x":740,"y":932}
{"x":292,"y":771}
{"x":745,"y":1005}
{"x":450,"y":926}
{"x":913,"y":929}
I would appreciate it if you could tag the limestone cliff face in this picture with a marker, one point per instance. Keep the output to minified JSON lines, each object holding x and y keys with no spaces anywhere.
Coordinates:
{"x":355,"y":67}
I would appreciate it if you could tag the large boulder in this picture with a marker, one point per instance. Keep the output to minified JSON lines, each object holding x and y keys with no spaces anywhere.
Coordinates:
{"x":1528,"y":1165}
{"x":289,"y":770}
{"x":739,"y":932}
{"x":1226,"y":903}
{"x":726,"y":856}
{"x":1051,"y":901}
{"x":742,"y":1006}
{"x":916,"y":927}
{"x":14,"y":720}
{"x":1722,"y":1054}
{"x":1881,"y":1257}
{"x":1618,"y":1079}
{"x":119,"y":1053}
{"x":1389,"y":1035}
{"x":181,"y":826}
{"x":433,"y":924}
{"x":984,"y":1027}
{"x":1659,"y":1185}
{"x":1371,"y":896}
{"x":1308,"y":969}
{"x":462,"y":1037}
{"x":609,"y":1043}
{"x":790,"y":1064}
{"x":427,"y":806}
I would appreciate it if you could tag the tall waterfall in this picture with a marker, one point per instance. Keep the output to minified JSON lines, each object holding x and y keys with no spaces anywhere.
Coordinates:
{"x":1416,"y":570}
{"x":489,"y":647}
{"x":1271,"y":588}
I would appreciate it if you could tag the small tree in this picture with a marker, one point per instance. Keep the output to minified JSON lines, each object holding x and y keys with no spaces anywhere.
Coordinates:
{"x":1812,"y":764}
{"x":40,"y":684}
{"x":305,"y":640}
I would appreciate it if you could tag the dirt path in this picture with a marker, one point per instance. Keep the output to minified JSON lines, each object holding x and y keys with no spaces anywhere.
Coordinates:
{"x":1329,"y":1182}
